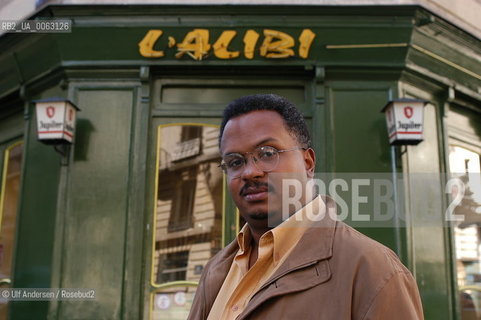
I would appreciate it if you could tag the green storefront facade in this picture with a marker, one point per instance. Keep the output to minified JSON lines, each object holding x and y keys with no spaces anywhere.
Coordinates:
{"x":151,"y":82}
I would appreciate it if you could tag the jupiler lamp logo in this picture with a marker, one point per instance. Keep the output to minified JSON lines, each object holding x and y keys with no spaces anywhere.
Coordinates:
{"x":50,"y":111}
{"x":408,"y":112}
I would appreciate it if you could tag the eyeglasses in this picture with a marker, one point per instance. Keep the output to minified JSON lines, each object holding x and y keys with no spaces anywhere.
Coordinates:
{"x":265,"y":158}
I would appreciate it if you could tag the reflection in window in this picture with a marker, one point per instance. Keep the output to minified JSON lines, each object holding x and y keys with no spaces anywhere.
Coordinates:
{"x":182,"y":193}
{"x":465,"y":165}
{"x":188,"y":216}
{"x":172,"y":266}
{"x":10,"y":191}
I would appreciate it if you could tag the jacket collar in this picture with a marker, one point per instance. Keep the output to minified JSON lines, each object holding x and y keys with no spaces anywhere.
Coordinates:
{"x":321,"y":233}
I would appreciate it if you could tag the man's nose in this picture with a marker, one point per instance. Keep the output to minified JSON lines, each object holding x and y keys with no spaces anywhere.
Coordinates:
{"x":251,"y":169}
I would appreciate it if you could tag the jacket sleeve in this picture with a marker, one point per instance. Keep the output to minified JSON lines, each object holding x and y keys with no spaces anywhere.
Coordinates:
{"x":398,"y":299}
{"x":197,"y":311}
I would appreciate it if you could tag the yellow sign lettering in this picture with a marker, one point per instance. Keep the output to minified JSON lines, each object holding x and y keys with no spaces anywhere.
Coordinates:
{"x":171,"y":42}
{"x":146,"y":46}
{"x":276,"y":44}
{"x":195,"y":44}
{"x":250,"y":40}
{"x":221,"y":45}
{"x":305,"y":41}
{"x":280,"y":48}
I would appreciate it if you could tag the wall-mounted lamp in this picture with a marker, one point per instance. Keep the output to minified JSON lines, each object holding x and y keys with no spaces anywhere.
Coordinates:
{"x":56,"y":122}
{"x":404,"y":118}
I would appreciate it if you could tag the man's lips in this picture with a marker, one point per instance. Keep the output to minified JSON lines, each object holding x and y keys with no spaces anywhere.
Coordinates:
{"x":255,"y":193}
{"x":256,"y":196}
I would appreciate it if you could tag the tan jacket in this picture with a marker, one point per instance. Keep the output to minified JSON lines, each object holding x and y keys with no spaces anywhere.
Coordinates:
{"x":334,"y":273}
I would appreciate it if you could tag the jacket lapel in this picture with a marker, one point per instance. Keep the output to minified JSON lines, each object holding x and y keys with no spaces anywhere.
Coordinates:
{"x":217,"y":274}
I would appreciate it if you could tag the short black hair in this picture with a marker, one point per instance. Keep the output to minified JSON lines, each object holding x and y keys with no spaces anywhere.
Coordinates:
{"x":293,"y":119}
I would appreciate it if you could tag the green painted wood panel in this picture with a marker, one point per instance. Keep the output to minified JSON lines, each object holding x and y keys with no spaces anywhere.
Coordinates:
{"x":11,"y":127}
{"x":359,"y":129}
{"x":359,"y":142}
{"x":428,"y":229}
{"x":35,"y":221}
{"x":97,"y":204}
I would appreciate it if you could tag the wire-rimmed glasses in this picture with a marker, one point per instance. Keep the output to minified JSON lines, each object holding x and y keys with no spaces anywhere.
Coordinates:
{"x":266,"y":158}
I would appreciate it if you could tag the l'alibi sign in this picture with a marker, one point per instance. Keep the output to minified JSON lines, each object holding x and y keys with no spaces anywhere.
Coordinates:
{"x":197,"y":44}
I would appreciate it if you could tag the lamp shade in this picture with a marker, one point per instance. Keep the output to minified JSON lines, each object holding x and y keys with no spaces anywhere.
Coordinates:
{"x":404,"y":119}
{"x":55,"y":120}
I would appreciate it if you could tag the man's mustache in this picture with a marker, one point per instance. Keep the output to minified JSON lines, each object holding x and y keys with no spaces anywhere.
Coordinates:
{"x":255,"y":186}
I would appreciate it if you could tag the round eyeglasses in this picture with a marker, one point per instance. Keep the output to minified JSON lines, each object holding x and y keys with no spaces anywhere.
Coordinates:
{"x":265,"y":158}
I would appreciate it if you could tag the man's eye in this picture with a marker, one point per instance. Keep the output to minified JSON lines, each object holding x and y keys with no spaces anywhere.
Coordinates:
{"x":235,"y":163}
{"x":267,"y":154}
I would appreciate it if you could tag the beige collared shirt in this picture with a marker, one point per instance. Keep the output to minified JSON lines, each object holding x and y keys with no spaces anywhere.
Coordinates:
{"x":275,"y":245}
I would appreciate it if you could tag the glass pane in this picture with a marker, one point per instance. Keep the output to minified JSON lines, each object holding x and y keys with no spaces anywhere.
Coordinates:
{"x":465,"y":165}
{"x":188,"y":216}
{"x":8,"y":213}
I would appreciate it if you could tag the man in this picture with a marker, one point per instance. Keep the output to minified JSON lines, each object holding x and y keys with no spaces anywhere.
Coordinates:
{"x":299,"y":268}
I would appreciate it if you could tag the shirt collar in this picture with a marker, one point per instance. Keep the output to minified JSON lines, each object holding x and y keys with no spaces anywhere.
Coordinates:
{"x":244,"y":239}
{"x":288,"y":233}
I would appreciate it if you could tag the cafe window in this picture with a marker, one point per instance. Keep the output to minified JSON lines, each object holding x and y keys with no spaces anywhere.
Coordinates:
{"x":188,"y":215}
{"x":9,"y":194}
{"x":465,"y":166}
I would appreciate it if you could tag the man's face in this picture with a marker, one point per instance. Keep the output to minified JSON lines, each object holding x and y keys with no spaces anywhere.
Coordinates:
{"x":252,"y":189}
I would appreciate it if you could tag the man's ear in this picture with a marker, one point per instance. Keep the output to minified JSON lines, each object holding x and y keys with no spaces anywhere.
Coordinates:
{"x":310,"y":162}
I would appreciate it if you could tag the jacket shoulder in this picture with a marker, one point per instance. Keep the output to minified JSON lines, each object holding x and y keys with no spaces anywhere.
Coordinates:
{"x":364,"y":250}
{"x":376,"y":276}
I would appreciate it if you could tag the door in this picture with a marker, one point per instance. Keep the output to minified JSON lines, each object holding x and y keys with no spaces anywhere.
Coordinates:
{"x":192,"y":214}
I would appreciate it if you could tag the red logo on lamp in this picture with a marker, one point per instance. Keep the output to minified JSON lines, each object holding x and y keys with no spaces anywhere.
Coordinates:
{"x":50,"y":111}
{"x":408,"y":112}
